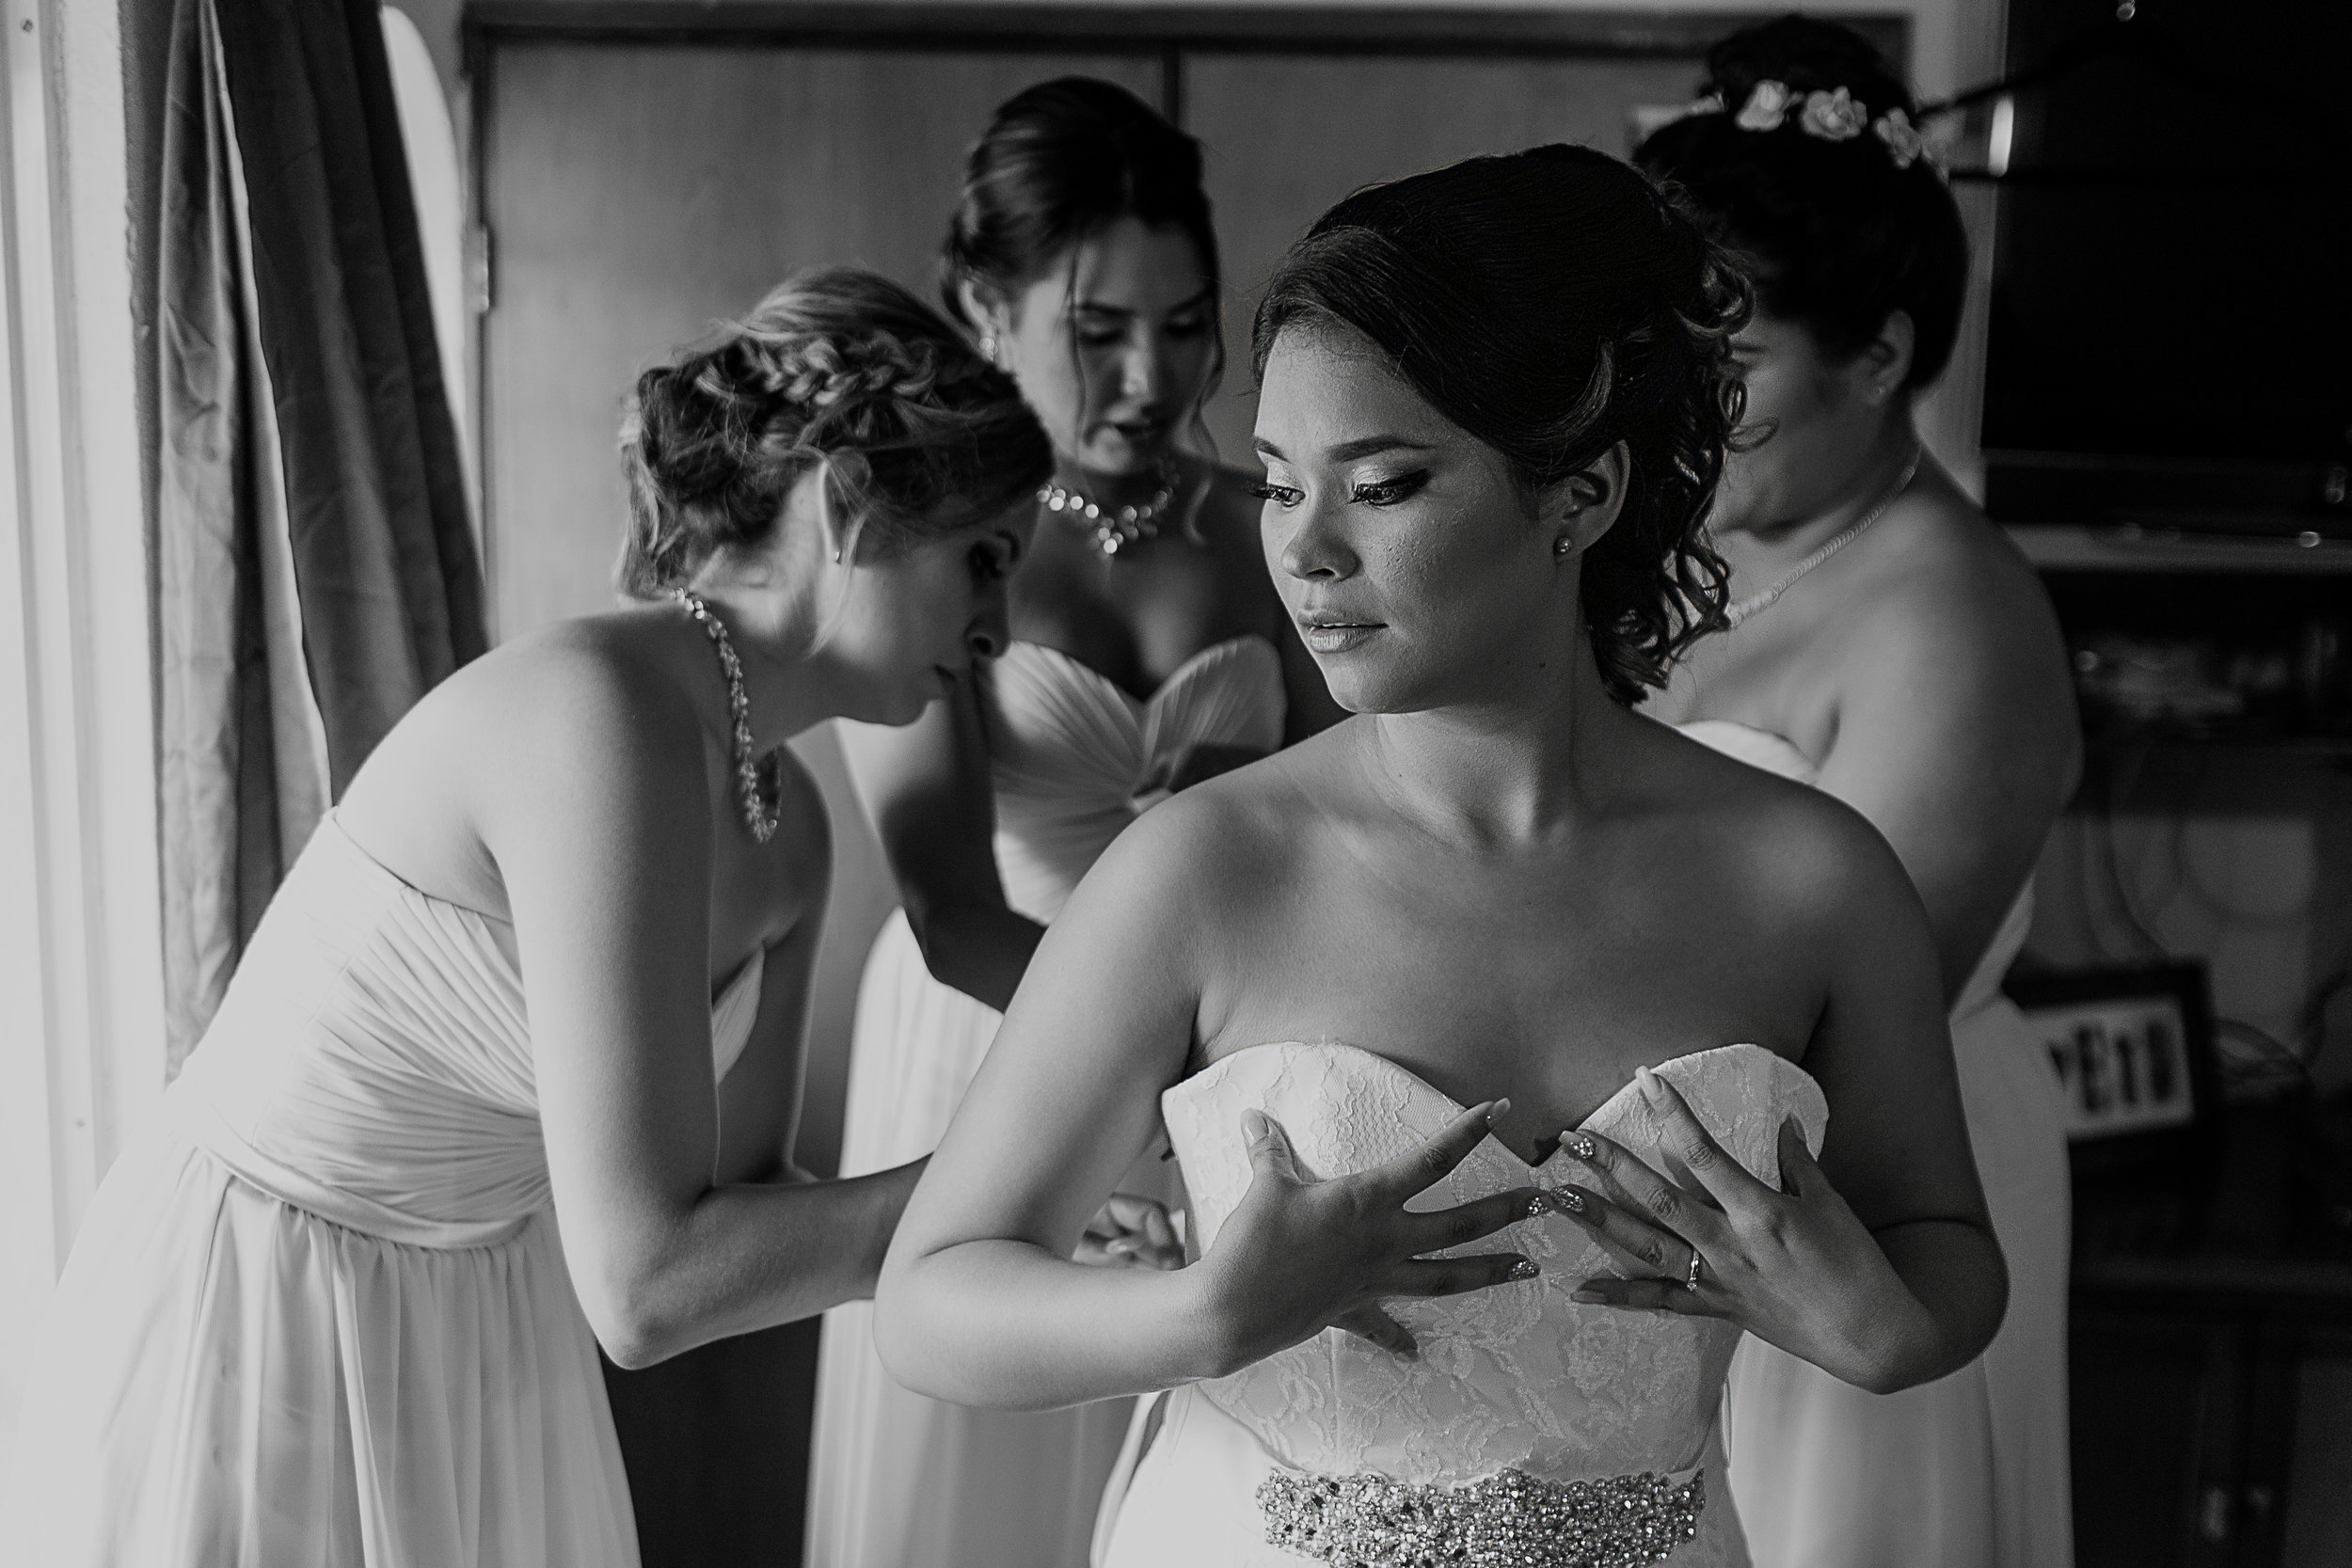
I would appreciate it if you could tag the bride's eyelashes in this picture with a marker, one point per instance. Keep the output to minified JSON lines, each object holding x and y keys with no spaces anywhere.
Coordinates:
{"x":1375,"y":492}
{"x":1388,"y":492}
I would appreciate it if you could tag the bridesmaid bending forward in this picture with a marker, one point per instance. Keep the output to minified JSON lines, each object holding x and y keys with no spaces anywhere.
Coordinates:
{"x":548,"y":961}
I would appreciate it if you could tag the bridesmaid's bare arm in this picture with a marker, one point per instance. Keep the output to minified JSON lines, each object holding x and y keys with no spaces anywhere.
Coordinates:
{"x":926,"y":790}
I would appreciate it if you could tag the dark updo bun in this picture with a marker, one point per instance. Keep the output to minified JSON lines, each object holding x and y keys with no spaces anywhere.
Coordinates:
{"x":1553,"y":304}
{"x":840,"y":369}
{"x":1058,"y":163}
{"x":1841,"y":234}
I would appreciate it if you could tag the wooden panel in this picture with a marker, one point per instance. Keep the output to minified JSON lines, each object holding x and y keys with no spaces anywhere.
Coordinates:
{"x":1290,"y":135}
{"x":637,"y":192}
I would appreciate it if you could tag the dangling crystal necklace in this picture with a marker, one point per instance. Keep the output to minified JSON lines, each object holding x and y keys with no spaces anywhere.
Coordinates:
{"x":1115,"y":530}
{"x":760,"y":815}
{"x":1756,"y":604}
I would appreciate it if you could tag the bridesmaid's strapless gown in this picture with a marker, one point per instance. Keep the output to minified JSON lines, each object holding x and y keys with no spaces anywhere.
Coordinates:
{"x":1971,"y":1470}
{"x":319,"y":1314}
{"x":900,"y":1480}
{"x":1531,"y":1431}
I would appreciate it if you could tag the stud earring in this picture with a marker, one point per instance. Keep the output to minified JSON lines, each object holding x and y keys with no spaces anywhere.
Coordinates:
{"x":1561,"y":546}
{"x":988,"y":346}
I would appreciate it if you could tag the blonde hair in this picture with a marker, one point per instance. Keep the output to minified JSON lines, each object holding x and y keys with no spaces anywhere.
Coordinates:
{"x":837,"y":370}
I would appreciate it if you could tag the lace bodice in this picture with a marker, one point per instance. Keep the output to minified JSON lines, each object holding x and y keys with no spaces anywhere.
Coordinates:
{"x":1074,"y":758}
{"x":371,"y":1062}
{"x":1518,"y":1376}
{"x":1776,"y":754}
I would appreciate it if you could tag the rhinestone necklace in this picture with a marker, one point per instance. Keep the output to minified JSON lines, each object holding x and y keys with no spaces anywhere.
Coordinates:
{"x":759,"y":814}
{"x":1756,"y":604}
{"x":1111,"y":530}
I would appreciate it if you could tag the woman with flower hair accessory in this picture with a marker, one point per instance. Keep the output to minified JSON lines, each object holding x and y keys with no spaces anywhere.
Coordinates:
{"x":1888,"y":644}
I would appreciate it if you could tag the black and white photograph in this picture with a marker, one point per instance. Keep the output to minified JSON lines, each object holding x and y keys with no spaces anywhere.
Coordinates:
{"x":1175,"y":783}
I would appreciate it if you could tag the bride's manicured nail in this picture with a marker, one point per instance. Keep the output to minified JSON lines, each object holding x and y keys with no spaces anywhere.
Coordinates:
{"x":1495,"y":1110}
{"x":1538,"y":1206}
{"x":1578,"y":1144}
{"x":1566,"y":1201}
{"x":1525,"y":1269}
{"x":1590,"y":1298}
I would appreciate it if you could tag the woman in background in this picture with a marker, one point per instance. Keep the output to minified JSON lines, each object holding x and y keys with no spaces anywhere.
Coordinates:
{"x":1149,"y":652}
{"x":1890,"y":646}
{"x":547,"y":959}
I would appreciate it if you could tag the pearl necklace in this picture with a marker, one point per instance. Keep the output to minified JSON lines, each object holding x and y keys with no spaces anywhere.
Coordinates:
{"x":1111,"y":531}
{"x":1756,"y":604}
{"x":760,"y":815}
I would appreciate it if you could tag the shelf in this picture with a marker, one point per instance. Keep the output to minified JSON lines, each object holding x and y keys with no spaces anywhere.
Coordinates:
{"x":2069,"y":548}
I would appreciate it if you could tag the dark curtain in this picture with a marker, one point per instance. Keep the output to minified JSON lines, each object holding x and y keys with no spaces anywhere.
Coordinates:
{"x":315,"y":569}
{"x":391,"y":584}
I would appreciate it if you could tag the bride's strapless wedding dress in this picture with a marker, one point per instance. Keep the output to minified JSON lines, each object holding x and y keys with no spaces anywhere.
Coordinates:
{"x":1530,"y":1432}
{"x":318,"y":1313}
{"x":899,"y":1481}
{"x":1972,"y":1471}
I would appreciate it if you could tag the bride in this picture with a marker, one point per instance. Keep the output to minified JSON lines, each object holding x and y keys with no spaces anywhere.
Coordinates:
{"x":1494,"y":402}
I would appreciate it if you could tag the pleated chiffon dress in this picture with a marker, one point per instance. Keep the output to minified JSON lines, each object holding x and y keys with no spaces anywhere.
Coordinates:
{"x":900,"y":1480}
{"x":318,"y":1313}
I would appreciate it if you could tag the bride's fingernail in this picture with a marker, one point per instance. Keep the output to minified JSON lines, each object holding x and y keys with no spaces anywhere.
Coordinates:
{"x":1569,"y":1202}
{"x":1538,"y":1206}
{"x":1525,"y":1269}
{"x":1590,"y":1298}
{"x":1578,"y":1144}
{"x":1497,"y":1109}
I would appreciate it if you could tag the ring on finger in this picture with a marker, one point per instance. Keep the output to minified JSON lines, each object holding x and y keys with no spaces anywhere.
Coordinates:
{"x":1691,"y":1279}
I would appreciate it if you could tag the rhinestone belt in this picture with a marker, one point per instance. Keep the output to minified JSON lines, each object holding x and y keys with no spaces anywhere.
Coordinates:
{"x":1510,"y":1519}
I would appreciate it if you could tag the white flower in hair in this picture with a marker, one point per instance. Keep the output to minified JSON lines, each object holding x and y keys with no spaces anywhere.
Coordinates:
{"x":1766,"y":106}
{"x":1833,"y":116}
{"x":1902,"y":140}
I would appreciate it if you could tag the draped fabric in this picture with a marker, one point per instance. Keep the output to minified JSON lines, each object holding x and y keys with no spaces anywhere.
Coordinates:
{"x":316,"y":567}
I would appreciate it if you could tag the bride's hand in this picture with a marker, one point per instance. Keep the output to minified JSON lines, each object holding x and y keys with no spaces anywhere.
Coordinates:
{"x":1300,"y":1256}
{"x":1794,"y":1266}
{"x":1130,"y":1232}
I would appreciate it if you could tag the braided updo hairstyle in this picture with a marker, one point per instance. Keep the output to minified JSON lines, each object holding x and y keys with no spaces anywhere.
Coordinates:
{"x":1839,"y":234}
{"x":1553,"y":304}
{"x":838,"y":370}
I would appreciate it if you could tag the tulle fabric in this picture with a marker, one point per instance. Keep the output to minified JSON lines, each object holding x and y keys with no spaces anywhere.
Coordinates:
{"x":900,"y":1480}
{"x":318,"y":1313}
{"x":1971,"y":1470}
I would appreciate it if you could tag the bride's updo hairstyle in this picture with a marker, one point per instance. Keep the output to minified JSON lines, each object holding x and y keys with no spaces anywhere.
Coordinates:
{"x":838,"y":370}
{"x":1552,"y":303}
{"x":1058,"y":163}
{"x":1841,"y":229}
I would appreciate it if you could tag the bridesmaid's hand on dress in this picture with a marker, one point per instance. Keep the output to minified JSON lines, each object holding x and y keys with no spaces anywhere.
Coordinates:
{"x":1131,"y":1232}
{"x":1298,"y":1255}
{"x":1794,"y":1266}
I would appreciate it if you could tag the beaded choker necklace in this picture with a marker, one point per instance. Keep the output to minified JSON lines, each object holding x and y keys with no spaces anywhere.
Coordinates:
{"x":1756,"y":604}
{"x":1111,"y":530}
{"x":761,"y":810}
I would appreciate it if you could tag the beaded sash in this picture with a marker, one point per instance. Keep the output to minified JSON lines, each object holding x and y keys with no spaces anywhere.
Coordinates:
{"x":1369,"y":1521}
